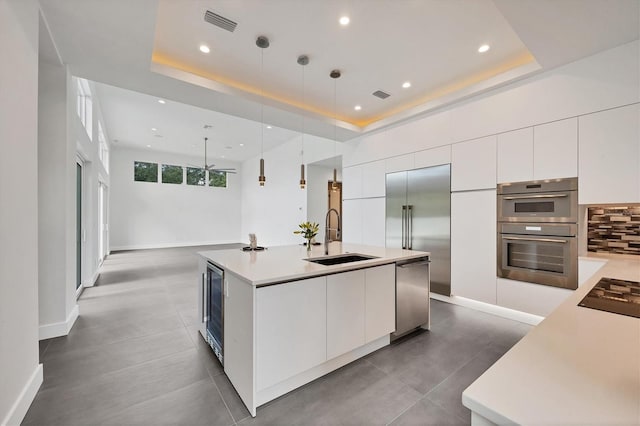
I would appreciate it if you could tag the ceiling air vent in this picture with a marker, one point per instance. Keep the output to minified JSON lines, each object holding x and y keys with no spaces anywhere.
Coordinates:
{"x":220,"y":21}
{"x":380,"y":94}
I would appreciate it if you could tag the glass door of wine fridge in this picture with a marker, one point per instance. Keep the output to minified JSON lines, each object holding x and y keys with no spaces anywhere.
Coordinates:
{"x":214,"y":309}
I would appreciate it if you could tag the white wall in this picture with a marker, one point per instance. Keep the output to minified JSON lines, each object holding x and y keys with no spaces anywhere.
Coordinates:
{"x":606,"y":80}
{"x":147,"y":215}
{"x":21,"y":375}
{"x":274,"y":211}
{"x":317,"y":197}
{"x":56,"y":201}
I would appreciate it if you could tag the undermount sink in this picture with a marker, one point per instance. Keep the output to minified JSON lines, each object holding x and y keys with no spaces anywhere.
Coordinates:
{"x":342,"y":258}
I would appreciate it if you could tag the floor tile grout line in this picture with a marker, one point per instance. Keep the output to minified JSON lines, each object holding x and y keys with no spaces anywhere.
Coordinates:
{"x":221,"y":396}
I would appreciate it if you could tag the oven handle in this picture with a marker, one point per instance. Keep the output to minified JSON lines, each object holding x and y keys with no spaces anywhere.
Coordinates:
{"x":542,"y":240}
{"x":523,"y":197}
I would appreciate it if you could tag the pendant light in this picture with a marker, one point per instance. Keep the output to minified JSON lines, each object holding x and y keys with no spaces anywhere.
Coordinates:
{"x":302,"y":60}
{"x":335,"y":75}
{"x":262,"y":42}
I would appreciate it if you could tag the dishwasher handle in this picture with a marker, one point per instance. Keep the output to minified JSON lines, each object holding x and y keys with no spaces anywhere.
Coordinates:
{"x":413,"y":262}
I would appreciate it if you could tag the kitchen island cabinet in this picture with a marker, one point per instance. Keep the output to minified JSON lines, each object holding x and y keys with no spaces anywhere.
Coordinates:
{"x":288,"y":321}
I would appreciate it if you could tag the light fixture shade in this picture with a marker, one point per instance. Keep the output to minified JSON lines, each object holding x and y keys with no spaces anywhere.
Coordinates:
{"x":261,"y":178}
{"x":303,"y":182}
{"x":334,"y":184}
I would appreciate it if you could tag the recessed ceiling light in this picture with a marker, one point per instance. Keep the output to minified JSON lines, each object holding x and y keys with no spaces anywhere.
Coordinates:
{"x":153,"y":129}
{"x":162,"y":101}
{"x":204,"y":48}
{"x":148,"y":146}
{"x":357,"y":107}
{"x":406,"y":84}
{"x":484,"y":48}
{"x":241,"y":144}
{"x":223,"y":156}
{"x":269,"y":127}
{"x":344,"y":20}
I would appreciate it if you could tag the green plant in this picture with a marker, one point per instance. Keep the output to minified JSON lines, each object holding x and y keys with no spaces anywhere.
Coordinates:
{"x":308,"y":230}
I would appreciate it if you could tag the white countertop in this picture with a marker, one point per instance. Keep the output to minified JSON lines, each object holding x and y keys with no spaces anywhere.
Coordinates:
{"x":578,"y":366}
{"x":285,"y":263}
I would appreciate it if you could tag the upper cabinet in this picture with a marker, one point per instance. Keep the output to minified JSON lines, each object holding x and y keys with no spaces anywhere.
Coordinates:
{"x":515,"y":156}
{"x":609,"y":158}
{"x":352,"y":182}
{"x":473,"y":164}
{"x":373,"y":179}
{"x":432,"y":157}
{"x":555,"y":153}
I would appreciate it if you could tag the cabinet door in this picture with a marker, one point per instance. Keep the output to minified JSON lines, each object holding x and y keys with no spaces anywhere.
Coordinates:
{"x":352,"y":182}
{"x":373,"y":179}
{"x":473,"y":164}
{"x":352,"y":221}
{"x":532,"y":298}
{"x":433,"y":157}
{"x":291,"y":321}
{"x":380,"y":301}
{"x":373,"y":221}
{"x":515,"y":156}
{"x":555,"y":150}
{"x":609,"y":156}
{"x":473,"y":245}
{"x":345,"y":312}
{"x":399,"y":163}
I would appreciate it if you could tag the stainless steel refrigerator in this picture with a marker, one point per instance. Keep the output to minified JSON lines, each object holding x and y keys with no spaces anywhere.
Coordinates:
{"x":419,"y":218}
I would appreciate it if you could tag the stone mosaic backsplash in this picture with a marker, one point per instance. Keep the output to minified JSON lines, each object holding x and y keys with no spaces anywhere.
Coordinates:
{"x":614,"y":229}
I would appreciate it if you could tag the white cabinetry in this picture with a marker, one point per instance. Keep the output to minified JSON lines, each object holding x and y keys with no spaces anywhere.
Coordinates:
{"x":609,"y":158}
{"x":363,"y":221}
{"x":380,"y":301}
{"x":399,"y":163}
{"x":352,"y":221}
{"x":291,"y":321}
{"x":515,"y":156}
{"x":473,"y":245}
{"x":373,"y":222}
{"x":373,"y":179}
{"x":432,"y":157}
{"x":345,"y":312}
{"x":532,"y":298}
{"x":473,"y":164}
{"x":555,"y":153}
{"x":352,"y":182}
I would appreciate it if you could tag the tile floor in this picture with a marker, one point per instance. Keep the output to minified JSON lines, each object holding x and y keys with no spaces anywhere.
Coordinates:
{"x":134,"y":357}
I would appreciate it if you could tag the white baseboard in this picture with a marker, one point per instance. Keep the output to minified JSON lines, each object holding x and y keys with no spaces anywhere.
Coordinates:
{"x":168,"y":245}
{"x":93,"y":279}
{"x":57,"y":329}
{"x":490,"y":309}
{"x":19,"y":408}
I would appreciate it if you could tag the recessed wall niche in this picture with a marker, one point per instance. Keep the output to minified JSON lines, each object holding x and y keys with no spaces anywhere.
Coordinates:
{"x":614,"y":229}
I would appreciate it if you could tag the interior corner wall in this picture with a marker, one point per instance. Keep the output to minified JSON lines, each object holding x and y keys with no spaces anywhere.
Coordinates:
{"x":153,"y":215}
{"x":318,"y":178}
{"x":21,"y":374}
{"x":56,"y":204}
{"x":274,"y":211}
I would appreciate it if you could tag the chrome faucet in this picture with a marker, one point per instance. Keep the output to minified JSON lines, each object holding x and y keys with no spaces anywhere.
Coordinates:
{"x":327,"y":229}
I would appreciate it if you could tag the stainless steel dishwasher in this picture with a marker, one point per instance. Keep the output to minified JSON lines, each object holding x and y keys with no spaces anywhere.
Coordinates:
{"x":412,"y":296}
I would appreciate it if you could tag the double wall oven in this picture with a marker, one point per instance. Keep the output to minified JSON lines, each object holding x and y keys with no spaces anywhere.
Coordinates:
{"x":537,"y":232}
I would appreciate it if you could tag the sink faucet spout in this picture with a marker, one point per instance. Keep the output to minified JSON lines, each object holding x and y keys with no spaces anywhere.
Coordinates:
{"x":327,"y":229}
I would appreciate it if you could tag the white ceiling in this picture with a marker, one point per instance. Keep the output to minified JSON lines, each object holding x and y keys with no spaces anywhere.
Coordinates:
{"x":432,"y":43}
{"x":131,"y":116}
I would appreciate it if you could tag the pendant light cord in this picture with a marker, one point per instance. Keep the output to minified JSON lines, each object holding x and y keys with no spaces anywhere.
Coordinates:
{"x":262,"y":103}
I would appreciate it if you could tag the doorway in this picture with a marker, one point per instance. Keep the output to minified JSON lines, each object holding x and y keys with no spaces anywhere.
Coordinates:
{"x":335,"y":202}
{"x":102,"y":221}
{"x":79,"y":178}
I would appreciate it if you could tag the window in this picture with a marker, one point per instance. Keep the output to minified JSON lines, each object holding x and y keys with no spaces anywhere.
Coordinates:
{"x":85,"y":106}
{"x":103,"y":150}
{"x":196,"y":176}
{"x":145,"y":172}
{"x":218,"y":179}
{"x":171,"y":174}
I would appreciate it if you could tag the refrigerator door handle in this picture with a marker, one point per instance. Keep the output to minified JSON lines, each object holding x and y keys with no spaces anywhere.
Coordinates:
{"x":410,"y":227}
{"x":404,"y":224}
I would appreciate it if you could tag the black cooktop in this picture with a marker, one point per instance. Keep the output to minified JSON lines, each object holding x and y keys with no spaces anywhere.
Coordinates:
{"x":616,"y":296}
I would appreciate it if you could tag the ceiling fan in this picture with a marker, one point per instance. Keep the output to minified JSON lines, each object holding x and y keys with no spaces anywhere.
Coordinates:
{"x":212,"y":167}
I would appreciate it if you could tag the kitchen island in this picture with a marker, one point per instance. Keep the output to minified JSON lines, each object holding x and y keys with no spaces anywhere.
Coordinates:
{"x":578,"y":366}
{"x":288,"y":321}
